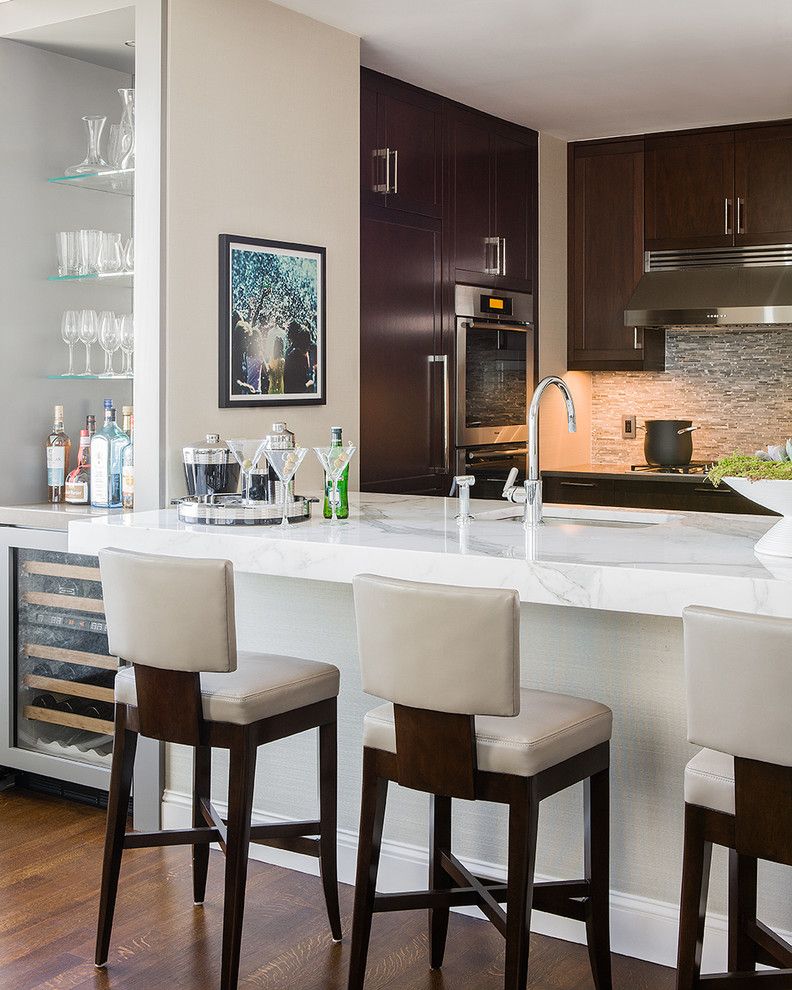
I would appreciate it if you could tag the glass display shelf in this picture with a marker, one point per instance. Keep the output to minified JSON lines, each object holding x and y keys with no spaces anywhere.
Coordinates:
{"x":119,"y":181}
{"x":117,"y":278}
{"x":89,"y":378}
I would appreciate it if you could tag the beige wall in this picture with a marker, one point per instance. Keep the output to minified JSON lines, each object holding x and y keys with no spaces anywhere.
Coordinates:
{"x":262,"y":140}
{"x":558,"y":448}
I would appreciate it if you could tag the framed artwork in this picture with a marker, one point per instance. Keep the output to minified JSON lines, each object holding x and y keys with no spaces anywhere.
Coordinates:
{"x":272,"y":323}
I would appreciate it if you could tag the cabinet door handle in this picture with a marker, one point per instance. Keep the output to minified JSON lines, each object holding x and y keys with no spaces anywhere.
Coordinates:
{"x":637,"y":343}
{"x":578,"y":484}
{"x":740,"y":216}
{"x":726,"y":207}
{"x":713,"y":491}
{"x":395,"y":188}
{"x":489,"y":244}
{"x":502,"y":256}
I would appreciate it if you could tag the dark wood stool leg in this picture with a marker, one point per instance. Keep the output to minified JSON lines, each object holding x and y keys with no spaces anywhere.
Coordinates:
{"x":372,"y":817}
{"x":328,"y":817}
{"x":742,"y":912}
{"x":523,"y":824}
{"x":597,"y":859}
{"x":124,"y":746}
{"x":202,"y":778}
{"x":439,"y":839}
{"x":693,"y":907}
{"x":242,"y":769}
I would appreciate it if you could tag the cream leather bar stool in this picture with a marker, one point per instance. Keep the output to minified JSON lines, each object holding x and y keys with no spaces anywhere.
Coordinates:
{"x":173,"y":620}
{"x":460,"y":726}
{"x":738,"y":790}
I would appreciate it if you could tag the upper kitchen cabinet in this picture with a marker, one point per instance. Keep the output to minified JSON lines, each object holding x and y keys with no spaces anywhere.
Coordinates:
{"x":492,"y":200}
{"x":763,"y":185}
{"x":689,"y":191}
{"x":400,"y":146}
{"x":606,"y":242}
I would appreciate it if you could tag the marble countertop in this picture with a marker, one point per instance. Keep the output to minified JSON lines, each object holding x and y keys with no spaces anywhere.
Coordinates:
{"x":46,"y":515}
{"x":624,"y":560}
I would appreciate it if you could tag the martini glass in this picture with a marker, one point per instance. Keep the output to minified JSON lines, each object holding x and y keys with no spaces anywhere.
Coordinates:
{"x":334,"y":460}
{"x":285,"y":462}
{"x":248,"y":454}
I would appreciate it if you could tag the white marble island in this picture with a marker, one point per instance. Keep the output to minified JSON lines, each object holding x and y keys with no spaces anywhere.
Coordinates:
{"x":602,"y":594}
{"x":624,"y":560}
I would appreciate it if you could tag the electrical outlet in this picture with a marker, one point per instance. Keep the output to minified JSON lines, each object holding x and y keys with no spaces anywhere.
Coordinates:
{"x":628,"y":427}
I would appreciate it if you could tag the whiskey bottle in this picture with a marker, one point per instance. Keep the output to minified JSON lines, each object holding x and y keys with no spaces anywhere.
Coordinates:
{"x":58,"y":457}
{"x":78,"y":481}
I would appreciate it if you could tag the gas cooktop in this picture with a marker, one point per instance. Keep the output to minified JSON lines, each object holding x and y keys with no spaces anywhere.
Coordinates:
{"x":694,"y":467}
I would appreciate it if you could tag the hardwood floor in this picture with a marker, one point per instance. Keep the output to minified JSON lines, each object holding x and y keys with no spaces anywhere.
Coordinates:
{"x":50,"y":859}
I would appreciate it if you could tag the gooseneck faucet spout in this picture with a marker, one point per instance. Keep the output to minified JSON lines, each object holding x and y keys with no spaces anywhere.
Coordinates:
{"x":532,"y":496}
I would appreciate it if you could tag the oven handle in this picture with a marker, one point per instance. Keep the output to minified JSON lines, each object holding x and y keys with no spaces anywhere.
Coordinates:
{"x":497,"y":455}
{"x":486,"y":325}
{"x":443,"y":359}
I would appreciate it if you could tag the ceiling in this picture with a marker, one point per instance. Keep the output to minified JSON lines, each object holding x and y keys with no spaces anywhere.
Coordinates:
{"x":98,"y":38}
{"x":582,"y":69}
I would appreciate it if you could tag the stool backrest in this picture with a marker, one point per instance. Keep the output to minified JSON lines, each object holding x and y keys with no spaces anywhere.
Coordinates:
{"x":175,"y":613}
{"x":738,"y":671}
{"x":442,"y":655}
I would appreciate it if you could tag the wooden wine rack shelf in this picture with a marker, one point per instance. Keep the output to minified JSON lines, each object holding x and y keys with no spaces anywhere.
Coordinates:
{"x":75,"y":689}
{"x":74,"y":571}
{"x":71,"y":603}
{"x":68,"y":719}
{"x":80,"y":657}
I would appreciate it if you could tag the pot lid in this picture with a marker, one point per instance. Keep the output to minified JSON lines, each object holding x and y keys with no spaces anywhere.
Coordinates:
{"x":212,"y":451}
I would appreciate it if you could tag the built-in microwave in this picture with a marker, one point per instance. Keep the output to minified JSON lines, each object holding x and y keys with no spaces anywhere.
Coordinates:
{"x":494,"y":379}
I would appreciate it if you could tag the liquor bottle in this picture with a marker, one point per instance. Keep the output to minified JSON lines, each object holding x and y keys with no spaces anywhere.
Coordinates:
{"x":107,"y":453}
{"x":90,"y":425}
{"x":128,"y":468}
{"x":58,"y":457}
{"x":342,"y":506}
{"x":78,"y":482}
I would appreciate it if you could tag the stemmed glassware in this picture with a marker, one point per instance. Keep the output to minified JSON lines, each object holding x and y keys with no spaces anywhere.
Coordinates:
{"x":88,"y":332}
{"x":109,"y":338}
{"x":126,"y":328}
{"x":334,"y":460}
{"x":70,"y":329}
{"x":248,"y":454}
{"x":284,"y":462}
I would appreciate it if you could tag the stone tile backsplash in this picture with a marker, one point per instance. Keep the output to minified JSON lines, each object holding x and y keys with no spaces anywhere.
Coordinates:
{"x":736,"y":384}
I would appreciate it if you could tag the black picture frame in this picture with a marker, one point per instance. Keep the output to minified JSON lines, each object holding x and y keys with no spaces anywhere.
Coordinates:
{"x":272,"y":323}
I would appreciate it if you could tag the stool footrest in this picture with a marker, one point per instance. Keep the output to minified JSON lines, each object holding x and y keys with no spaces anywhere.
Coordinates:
{"x":766,"y":978}
{"x":171,"y":837}
{"x":413,"y":900}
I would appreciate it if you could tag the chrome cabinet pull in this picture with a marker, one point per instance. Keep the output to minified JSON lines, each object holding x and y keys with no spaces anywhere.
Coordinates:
{"x":395,"y":188}
{"x":637,"y":344}
{"x":443,"y":360}
{"x":502,"y":256}
{"x":578,"y":484}
{"x":740,"y":217}
{"x":726,"y":207}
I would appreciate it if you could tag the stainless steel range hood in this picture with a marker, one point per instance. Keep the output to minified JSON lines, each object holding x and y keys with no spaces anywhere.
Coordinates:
{"x":714,"y":287}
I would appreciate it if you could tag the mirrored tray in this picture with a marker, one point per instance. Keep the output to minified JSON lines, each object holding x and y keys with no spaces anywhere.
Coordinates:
{"x":228,"y":510}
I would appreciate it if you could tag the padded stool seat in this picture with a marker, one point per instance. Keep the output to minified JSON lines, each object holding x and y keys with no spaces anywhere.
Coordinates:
{"x":549,"y":729}
{"x":263,"y":685}
{"x":709,"y":781}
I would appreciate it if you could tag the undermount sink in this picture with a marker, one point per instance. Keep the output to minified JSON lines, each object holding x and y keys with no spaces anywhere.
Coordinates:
{"x":557,"y":516}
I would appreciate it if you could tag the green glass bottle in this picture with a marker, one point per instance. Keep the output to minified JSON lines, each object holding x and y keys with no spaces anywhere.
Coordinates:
{"x":342,"y":509}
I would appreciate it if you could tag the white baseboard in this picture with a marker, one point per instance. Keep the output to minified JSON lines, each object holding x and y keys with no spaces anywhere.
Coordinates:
{"x":640,"y":926}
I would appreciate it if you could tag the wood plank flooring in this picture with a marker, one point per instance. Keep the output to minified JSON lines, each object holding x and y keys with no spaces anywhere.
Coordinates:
{"x":50,"y":858}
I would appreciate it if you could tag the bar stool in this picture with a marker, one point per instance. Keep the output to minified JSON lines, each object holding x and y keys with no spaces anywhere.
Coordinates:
{"x":738,"y":790}
{"x":173,"y":619}
{"x":460,"y":726}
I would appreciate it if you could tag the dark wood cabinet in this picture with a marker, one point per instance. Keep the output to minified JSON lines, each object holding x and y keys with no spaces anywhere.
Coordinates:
{"x":579,"y":490}
{"x":400,"y":147}
{"x":689,"y":190}
{"x":402,"y":386}
{"x":492,"y":205}
{"x":606,"y":244}
{"x":763,"y":185}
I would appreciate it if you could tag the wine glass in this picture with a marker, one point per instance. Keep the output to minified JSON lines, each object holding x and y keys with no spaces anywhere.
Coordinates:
{"x":109,"y":338}
{"x":88,"y":332}
{"x":334,"y":460}
{"x":248,"y":454}
{"x":126,"y":326}
{"x":284,"y":462}
{"x":70,"y":328}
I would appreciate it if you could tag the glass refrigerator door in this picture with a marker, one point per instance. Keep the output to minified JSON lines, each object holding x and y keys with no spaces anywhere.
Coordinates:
{"x":63,"y":676}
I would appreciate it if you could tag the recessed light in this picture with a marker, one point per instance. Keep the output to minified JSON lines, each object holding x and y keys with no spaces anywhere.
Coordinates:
{"x":130,"y":44}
